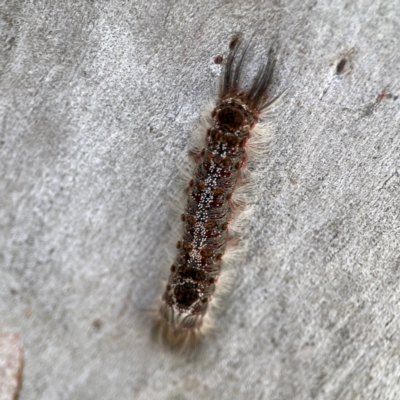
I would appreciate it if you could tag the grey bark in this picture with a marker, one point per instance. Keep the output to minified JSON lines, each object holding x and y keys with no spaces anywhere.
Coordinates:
{"x":97,"y":103}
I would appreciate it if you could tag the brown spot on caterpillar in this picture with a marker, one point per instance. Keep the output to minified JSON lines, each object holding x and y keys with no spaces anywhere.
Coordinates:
{"x":191,"y":183}
{"x":205,"y":252}
{"x":226,"y":162}
{"x":182,"y":217}
{"x":211,"y":281}
{"x":224,"y":226}
{"x":173,"y":269}
{"x":219,"y":257}
{"x":205,"y":300}
{"x":222,"y":139}
{"x":231,"y":140}
{"x":230,"y":117}
{"x":210,"y":224}
{"x":217,"y":159}
{"x":216,"y":135}
{"x":185,"y":295}
{"x":218,"y":191}
{"x":200,"y":185}
{"x":202,"y":152}
{"x":218,"y":59}
{"x":229,"y":196}
{"x":178,"y":244}
{"x":187,"y":246}
{"x":209,"y":156}
{"x":191,"y":219}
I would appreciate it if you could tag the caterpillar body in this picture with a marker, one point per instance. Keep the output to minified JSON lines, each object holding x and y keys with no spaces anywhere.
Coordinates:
{"x":230,"y":138}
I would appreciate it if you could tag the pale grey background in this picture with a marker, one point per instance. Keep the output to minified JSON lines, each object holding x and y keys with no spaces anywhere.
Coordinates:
{"x":98,"y":99}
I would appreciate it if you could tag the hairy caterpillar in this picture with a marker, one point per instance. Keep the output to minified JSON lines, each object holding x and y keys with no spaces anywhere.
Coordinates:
{"x":218,"y":186}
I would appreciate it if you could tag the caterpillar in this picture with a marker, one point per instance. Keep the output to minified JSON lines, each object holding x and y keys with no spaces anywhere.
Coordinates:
{"x":229,"y":139}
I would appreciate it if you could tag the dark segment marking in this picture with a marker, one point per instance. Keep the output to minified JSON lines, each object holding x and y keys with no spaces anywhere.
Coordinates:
{"x":194,"y":274}
{"x":185,"y":295}
{"x":230,"y":117}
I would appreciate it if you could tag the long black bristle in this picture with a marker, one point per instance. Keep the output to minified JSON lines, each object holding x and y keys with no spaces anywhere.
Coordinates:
{"x":231,"y":78}
{"x":226,"y":82}
{"x":239,"y":67}
{"x":257,"y":92}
